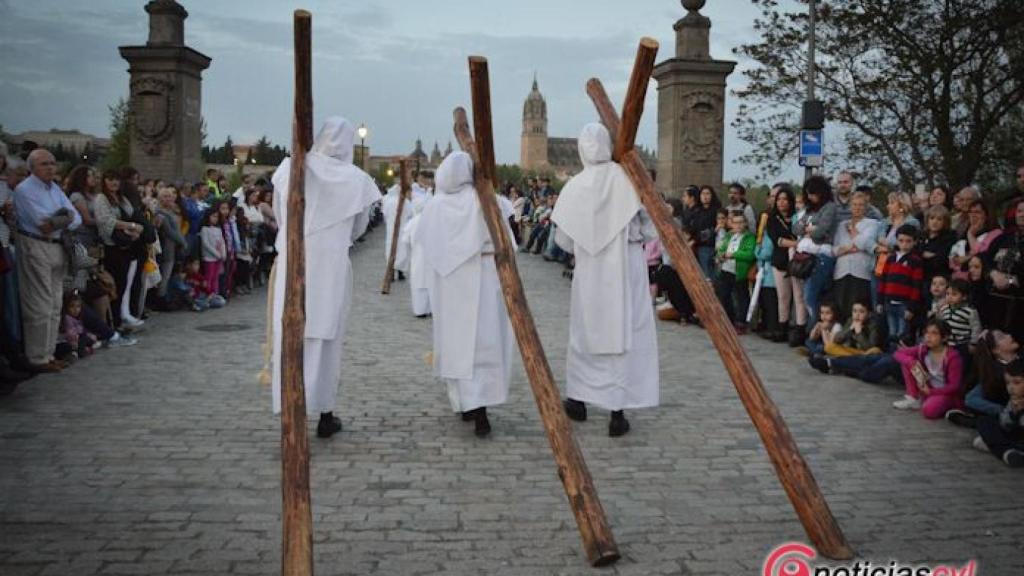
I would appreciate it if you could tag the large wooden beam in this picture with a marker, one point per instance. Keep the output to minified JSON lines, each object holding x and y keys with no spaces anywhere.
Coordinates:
{"x":404,"y":187}
{"x":791,"y":468}
{"x":297,"y":518}
{"x":598,"y":542}
{"x":633,"y":107}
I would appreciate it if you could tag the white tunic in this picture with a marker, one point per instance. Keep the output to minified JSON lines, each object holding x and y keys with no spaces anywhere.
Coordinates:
{"x":419,"y":273}
{"x":389,"y":207}
{"x":612,"y":360}
{"x":472,"y":332}
{"x":338,"y":199}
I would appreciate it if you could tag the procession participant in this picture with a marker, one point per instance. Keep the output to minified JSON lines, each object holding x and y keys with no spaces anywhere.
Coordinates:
{"x":419,"y":277}
{"x":472,"y":331}
{"x":389,"y":206}
{"x":612,"y":360}
{"x":338,"y":198}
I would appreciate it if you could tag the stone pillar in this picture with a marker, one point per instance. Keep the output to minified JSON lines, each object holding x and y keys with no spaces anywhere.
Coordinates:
{"x":166,"y":97}
{"x":691,"y":108}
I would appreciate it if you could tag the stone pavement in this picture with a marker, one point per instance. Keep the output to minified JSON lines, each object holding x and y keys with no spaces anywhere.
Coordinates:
{"x":164,"y":459}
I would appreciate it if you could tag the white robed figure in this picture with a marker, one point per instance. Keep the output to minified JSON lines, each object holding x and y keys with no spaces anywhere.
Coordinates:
{"x":612,"y":361}
{"x":338,"y":200}
{"x":419,"y":272}
{"x":472,"y":331}
{"x":389,"y":207}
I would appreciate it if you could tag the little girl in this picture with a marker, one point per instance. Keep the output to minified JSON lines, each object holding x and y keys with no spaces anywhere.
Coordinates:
{"x":932,"y":373}
{"x":76,"y":337}
{"x":215,"y":251}
{"x":823,"y":332}
{"x":937,"y":289}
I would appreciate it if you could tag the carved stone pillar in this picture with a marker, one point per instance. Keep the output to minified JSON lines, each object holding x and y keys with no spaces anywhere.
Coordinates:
{"x":691,"y":108}
{"x":166,"y":97}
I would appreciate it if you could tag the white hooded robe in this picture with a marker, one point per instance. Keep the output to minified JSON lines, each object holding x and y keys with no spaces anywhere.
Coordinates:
{"x":472,"y":331}
{"x":389,"y":207}
{"x":612,"y":361}
{"x":338,"y":200}
{"x":419,"y":272}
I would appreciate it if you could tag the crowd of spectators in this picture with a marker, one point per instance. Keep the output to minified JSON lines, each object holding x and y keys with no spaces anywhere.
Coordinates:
{"x":88,"y":255}
{"x":927,"y":294}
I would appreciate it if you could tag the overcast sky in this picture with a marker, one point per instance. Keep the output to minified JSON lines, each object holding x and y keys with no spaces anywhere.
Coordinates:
{"x":398,"y":66}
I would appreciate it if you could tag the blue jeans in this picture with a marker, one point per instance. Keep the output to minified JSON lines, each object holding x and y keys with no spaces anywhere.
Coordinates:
{"x":819,"y":282}
{"x":976,"y":401}
{"x":815,"y":346}
{"x":895,"y":319}
{"x":871,"y":368}
{"x":706,"y":258}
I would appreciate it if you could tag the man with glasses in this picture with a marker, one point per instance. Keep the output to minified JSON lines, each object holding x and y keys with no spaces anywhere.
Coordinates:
{"x":43,"y":213}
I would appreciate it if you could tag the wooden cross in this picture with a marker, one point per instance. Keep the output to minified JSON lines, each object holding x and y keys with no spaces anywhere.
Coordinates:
{"x":404,"y":187}
{"x":572,"y":469}
{"x":297,"y":518}
{"x":792,"y":470}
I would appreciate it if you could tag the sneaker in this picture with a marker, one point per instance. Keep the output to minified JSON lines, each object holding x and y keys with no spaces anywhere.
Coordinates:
{"x":961,"y":418}
{"x":1014,"y":458}
{"x":132,"y":322}
{"x":907,"y":403}
{"x":979,"y":444}
{"x":669,"y":314}
{"x":819,"y":363}
{"x":120,"y":341}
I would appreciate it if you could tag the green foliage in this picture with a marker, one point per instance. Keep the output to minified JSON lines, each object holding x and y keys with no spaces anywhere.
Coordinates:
{"x":510,"y":174}
{"x":119,"y":154}
{"x":914,"y":91}
{"x":381,"y":175}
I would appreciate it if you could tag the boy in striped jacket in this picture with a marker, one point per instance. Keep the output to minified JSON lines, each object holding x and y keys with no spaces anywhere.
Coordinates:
{"x":899,"y":285}
{"x":963,"y":320}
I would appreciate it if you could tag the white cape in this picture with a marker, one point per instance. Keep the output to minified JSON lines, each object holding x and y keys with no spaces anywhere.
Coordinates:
{"x":472,"y":332}
{"x":338,"y":199}
{"x":612,"y":360}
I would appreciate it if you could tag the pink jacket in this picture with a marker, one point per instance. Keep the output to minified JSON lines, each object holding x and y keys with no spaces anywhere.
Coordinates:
{"x":952,"y":367}
{"x":652,"y":252}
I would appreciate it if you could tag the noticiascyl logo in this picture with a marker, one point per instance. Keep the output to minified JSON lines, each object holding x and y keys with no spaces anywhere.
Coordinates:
{"x":795,"y":559}
{"x":792,"y":559}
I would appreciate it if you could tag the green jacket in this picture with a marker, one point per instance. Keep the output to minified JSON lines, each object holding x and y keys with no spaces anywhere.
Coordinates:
{"x":744,"y":256}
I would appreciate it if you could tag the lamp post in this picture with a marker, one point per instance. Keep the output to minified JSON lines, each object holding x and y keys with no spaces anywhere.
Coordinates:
{"x":362,"y":131}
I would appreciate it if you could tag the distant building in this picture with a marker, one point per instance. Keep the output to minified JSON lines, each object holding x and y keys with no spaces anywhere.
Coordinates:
{"x":418,"y":158}
{"x":541,"y":153}
{"x":68,"y":140}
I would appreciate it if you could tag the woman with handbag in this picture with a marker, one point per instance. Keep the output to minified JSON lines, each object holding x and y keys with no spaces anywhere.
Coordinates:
{"x":789,"y":290}
{"x":816,"y":229}
{"x":120,"y":237}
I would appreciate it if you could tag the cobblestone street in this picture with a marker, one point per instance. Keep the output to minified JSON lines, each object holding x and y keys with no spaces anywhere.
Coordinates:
{"x":164,"y":459}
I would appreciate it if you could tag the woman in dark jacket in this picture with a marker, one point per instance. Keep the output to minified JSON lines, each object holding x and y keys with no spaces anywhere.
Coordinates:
{"x":702,"y":225}
{"x":936,"y":241}
{"x":790,"y":290}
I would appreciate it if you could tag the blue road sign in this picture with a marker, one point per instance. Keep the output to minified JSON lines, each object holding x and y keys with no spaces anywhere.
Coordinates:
{"x":812,"y":147}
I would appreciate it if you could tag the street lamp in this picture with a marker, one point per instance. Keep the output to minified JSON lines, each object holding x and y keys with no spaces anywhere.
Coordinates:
{"x":362,"y":131}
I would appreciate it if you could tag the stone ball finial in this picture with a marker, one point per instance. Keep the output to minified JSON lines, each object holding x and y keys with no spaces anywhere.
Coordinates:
{"x":693,"y":5}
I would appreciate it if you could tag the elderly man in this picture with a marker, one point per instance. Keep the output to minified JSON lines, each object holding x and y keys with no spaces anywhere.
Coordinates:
{"x":43,"y":213}
{"x":961,"y":204}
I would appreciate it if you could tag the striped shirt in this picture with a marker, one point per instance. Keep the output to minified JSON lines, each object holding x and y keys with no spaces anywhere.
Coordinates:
{"x":964,"y":324}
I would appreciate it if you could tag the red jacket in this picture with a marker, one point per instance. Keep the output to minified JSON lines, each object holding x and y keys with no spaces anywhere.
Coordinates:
{"x":902,"y":281}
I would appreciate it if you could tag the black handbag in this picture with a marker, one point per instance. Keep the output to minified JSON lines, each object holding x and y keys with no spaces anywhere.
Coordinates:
{"x":801,"y":265}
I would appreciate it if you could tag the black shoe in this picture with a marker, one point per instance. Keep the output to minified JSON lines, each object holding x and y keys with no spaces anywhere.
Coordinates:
{"x":819,"y":363}
{"x":797,"y":336}
{"x":469,"y":416}
{"x":961,"y":418}
{"x":483,"y":425}
{"x":575,"y":410}
{"x":401,"y":275}
{"x":618,"y":425}
{"x":329,"y":424}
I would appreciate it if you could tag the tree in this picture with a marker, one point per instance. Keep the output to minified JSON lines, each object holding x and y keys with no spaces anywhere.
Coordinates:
{"x":119,"y":154}
{"x":915,"y":91}
{"x":510,"y":174}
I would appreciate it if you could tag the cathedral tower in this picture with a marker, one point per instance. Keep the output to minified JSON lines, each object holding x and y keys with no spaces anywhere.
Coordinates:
{"x":534,"y":144}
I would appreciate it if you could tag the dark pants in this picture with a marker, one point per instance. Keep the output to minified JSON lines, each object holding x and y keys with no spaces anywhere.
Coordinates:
{"x":116,"y":261}
{"x":849,"y":290}
{"x":668,"y":281}
{"x":996,"y":438}
{"x":733,"y":294}
{"x":768,"y":302}
{"x":870,"y":368}
{"x":95,"y":324}
{"x":538,"y":235}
